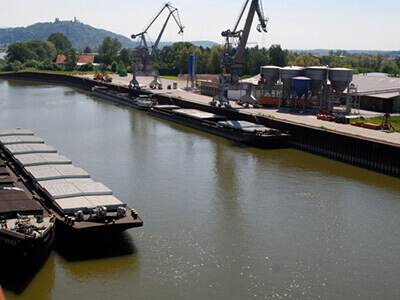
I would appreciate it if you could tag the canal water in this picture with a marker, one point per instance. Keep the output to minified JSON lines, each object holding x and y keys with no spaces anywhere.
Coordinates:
{"x":221,"y":221}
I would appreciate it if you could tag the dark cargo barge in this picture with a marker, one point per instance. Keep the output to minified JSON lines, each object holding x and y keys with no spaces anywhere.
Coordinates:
{"x":239,"y":131}
{"x":80,"y":205}
{"x":141,"y":102}
{"x":27,"y":230}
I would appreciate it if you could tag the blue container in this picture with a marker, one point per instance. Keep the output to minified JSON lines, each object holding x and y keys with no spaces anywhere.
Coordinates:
{"x":192,"y":64}
{"x":300,"y":85}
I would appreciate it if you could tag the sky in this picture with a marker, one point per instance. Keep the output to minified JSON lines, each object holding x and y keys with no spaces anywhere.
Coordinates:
{"x":294,"y":24}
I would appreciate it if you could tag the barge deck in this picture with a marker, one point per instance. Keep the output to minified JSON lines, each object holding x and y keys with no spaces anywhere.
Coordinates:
{"x":80,"y":205}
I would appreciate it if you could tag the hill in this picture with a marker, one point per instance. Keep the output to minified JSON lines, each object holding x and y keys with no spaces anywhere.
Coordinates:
{"x":80,"y":35}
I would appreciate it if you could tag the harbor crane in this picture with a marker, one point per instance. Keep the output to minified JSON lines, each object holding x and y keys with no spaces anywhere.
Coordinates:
{"x":143,"y":56}
{"x":232,"y":61}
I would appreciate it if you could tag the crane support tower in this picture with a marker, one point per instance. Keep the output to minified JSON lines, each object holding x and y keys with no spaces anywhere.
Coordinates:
{"x":232,"y":61}
{"x":143,"y":56}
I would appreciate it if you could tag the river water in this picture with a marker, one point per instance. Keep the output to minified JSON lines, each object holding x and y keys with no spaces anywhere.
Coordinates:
{"x":220,"y":221}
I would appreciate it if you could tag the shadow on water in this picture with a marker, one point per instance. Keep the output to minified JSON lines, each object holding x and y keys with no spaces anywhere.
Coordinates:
{"x":17,"y":274}
{"x":74,"y":249}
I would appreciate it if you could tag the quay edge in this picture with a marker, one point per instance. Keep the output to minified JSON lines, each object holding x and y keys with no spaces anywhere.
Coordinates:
{"x":378,"y":156}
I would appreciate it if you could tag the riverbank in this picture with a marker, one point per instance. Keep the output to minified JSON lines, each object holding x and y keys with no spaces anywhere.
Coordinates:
{"x":377,"y":151}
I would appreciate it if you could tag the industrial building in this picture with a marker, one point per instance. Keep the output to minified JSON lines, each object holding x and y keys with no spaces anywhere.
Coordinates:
{"x":317,"y":87}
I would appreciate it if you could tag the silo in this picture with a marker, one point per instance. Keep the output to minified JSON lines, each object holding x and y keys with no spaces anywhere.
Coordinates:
{"x":271,"y":76}
{"x":340,"y":79}
{"x":301,"y":85}
{"x":287,"y":73}
{"x":318,"y":78}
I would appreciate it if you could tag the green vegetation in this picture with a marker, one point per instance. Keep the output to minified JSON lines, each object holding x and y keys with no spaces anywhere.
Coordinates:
{"x":395,"y":120}
{"x":60,"y":41}
{"x":173,"y":60}
{"x":80,"y":35}
{"x":109,"y":50}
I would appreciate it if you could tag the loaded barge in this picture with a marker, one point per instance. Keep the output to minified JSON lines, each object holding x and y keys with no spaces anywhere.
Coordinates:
{"x":141,"y":102}
{"x":27,"y":230}
{"x":80,"y":205}
{"x":239,"y":131}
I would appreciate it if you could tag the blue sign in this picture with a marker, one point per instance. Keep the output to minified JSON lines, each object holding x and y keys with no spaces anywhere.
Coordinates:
{"x":192,"y":64}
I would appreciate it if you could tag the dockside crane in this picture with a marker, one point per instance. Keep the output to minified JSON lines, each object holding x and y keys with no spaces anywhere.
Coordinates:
{"x":232,"y":61}
{"x":143,"y":56}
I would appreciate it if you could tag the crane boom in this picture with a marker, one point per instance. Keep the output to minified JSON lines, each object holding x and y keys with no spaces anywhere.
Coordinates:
{"x":145,"y":57}
{"x":233,"y":59}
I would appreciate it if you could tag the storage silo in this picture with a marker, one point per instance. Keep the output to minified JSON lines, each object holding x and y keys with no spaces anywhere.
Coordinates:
{"x":340,"y":79}
{"x":270,"y":75}
{"x":318,"y":76}
{"x":300,"y":86}
{"x":287,"y":74}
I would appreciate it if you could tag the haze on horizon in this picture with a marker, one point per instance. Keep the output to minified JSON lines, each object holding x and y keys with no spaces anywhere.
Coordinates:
{"x":347,"y":25}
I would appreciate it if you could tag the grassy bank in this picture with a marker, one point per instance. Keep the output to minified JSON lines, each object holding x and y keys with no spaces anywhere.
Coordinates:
{"x":378,"y":120}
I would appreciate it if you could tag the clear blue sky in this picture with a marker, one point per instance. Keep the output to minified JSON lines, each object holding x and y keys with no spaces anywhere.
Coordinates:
{"x":352,"y":24}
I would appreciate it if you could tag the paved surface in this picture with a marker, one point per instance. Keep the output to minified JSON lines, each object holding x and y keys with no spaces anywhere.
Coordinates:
{"x":284,"y":114}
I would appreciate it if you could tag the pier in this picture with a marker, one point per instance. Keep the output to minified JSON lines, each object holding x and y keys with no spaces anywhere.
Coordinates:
{"x":375,"y":150}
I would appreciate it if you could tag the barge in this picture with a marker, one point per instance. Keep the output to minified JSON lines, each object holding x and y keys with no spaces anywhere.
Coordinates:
{"x":79,"y":204}
{"x":141,"y":102}
{"x":27,"y":229}
{"x":236,"y":130}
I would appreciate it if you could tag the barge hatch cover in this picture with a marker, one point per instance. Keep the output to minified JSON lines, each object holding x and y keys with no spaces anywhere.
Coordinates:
{"x":68,"y":187}
{"x":30,"y":149}
{"x":11,"y":132}
{"x":51,"y":172}
{"x":28,"y":160}
{"x":20,"y":139}
{"x":65,"y":188}
{"x":197,"y":114}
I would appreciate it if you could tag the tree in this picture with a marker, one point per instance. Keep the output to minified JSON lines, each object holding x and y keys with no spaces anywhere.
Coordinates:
{"x":71,"y":59}
{"x":277,"y":56}
{"x":120,"y":66}
{"x":109,"y":50}
{"x":87,"y":50}
{"x":126,"y":57}
{"x":2,"y":64}
{"x":18,"y":52}
{"x":60,"y":41}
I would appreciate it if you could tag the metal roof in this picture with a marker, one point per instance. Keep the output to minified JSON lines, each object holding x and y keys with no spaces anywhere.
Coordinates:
{"x":376,"y":83}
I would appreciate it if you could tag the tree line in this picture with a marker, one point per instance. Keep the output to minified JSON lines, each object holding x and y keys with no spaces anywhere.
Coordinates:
{"x":173,"y":60}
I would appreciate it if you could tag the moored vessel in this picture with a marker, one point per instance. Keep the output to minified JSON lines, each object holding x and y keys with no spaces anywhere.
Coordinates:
{"x":141,"y":102}
{"x":27,"y":230}
{"x":236,"y":130}
{"x":80,"y":205}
